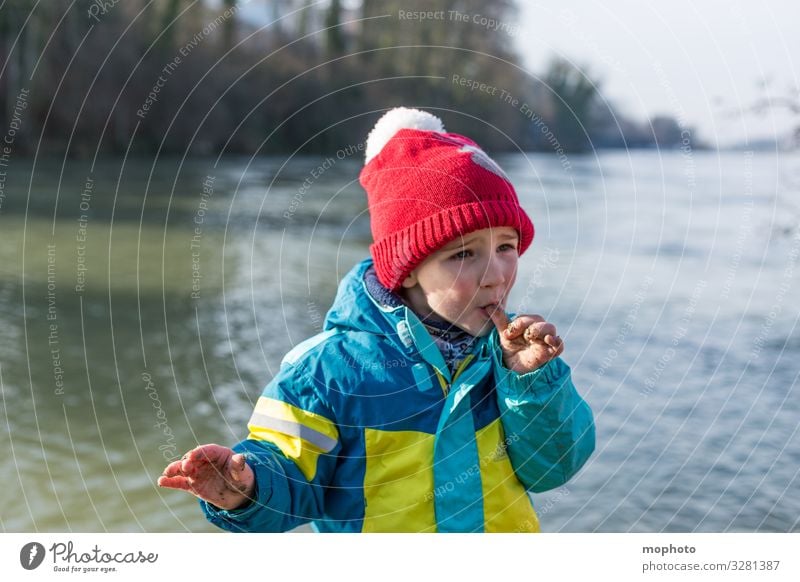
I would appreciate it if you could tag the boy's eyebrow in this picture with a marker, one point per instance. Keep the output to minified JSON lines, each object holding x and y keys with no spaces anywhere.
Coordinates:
{"x":504,"y":236}
{"x":458,"y":244}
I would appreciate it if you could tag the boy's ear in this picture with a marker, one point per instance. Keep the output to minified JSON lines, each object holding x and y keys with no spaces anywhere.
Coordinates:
{"x":411,"y":280}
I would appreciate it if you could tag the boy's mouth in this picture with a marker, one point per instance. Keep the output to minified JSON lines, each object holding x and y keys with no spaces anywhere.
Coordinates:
{"x":489,"y":309}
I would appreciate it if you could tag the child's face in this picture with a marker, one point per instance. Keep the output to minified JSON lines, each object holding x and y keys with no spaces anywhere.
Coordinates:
{"x":465,"y":280}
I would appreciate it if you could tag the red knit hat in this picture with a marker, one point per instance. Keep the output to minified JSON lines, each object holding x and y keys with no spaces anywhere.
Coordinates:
{"x":426,"y":188}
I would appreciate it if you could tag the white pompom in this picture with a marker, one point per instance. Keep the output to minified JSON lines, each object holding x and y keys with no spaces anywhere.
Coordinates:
{"x":395,"y":120}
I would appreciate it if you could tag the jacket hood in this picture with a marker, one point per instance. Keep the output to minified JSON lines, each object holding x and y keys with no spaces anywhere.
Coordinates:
{"x":354,"y":308}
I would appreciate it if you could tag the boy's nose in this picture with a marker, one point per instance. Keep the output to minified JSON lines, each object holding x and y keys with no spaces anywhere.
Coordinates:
{"x":493,"y":274}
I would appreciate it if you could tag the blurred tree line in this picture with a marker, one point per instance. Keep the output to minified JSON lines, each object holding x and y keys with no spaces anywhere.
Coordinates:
{"x":140,"y":76}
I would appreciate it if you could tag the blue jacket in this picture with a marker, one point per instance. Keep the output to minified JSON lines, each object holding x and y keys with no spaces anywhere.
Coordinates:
{"x":364,"y":428}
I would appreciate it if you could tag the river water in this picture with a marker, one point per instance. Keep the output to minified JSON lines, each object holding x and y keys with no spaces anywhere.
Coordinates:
{"x":143,"y":307}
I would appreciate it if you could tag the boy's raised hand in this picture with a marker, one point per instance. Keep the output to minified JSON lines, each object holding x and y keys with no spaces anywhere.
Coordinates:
{"x":528,"y":342}
{"x":213,"y":473}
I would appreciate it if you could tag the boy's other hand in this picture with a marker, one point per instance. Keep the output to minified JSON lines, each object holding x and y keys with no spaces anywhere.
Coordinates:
{"x":213,"y":473}
{"x":528,"y":342}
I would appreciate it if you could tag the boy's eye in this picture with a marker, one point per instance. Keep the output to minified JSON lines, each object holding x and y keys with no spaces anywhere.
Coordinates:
{"x":466,"y":253}
{"x":462,"y":254}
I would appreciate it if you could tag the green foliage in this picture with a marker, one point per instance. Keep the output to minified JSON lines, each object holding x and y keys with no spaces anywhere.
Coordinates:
{"x":574,"y":95}
{"x":333,"y":33}
{"x":317,"y":79}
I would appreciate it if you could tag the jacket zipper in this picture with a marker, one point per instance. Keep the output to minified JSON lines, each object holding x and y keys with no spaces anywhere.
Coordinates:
{"x":445,"y":386}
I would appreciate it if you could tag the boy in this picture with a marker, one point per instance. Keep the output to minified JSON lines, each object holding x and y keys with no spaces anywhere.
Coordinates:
{"x":420,"y":407}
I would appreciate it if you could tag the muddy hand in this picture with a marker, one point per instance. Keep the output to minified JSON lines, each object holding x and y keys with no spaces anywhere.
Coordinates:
{"x":528,"y":342}
{"x":213,"y":473}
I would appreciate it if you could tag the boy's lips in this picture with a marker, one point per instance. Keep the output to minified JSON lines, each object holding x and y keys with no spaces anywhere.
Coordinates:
{"x":490,"y":308}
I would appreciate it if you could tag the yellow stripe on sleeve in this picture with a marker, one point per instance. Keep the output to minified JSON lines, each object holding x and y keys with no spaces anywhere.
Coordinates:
{"x":300,"y":435}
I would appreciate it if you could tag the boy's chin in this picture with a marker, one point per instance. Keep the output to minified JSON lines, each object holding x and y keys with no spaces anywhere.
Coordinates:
{"x":485,"y":330}
{"x":474,"y":328}
{"x":479,"y":330}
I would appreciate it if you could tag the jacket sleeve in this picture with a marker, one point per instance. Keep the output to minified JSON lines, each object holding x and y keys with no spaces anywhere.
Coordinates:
{"x":292,"y":448}
{"x":549,"y":428}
